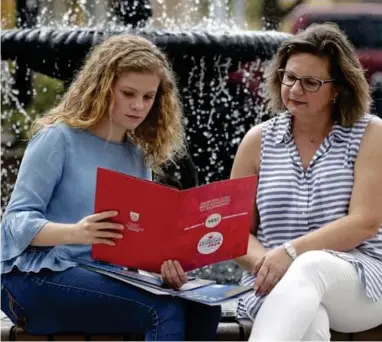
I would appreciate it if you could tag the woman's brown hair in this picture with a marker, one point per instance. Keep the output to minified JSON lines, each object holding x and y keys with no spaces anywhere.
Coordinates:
{"x":90,"y":96}
{"x":327,"y":41}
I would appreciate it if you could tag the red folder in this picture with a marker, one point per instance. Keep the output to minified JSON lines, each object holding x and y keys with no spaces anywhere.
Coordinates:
{"x":197,"y":227}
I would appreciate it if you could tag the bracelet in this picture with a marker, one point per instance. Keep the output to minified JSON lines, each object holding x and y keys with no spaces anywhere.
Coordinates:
{"x":290,"y":250}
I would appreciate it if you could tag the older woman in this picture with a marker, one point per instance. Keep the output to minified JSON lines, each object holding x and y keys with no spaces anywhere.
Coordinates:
{"x":315,"y":254}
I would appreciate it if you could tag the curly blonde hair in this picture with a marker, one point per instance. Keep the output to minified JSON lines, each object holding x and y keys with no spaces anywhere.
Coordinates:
{"x":88,"y":99}
{"x":328,"y":41}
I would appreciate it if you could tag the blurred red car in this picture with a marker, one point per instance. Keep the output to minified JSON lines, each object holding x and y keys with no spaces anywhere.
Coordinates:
{"x":363,"y":25}
{"x":361,"y":22}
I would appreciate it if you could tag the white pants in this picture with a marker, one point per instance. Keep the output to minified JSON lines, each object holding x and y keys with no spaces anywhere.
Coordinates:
{"x":318,"y":292}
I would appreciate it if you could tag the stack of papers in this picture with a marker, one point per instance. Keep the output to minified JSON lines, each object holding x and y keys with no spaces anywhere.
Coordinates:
{"x":198,"y":290}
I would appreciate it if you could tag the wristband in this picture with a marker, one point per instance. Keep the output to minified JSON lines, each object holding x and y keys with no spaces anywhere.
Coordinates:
{"x":290,"y":250}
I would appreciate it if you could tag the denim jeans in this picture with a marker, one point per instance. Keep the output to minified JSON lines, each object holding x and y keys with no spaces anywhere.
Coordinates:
{"x":78,"y":300}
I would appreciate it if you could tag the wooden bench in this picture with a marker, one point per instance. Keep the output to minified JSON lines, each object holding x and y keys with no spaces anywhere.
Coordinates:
{"x":228,"y":331}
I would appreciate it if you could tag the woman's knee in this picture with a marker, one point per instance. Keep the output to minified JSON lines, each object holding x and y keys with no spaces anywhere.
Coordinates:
{"x":311,"y":259}
{"x":316,"y":263}
{"x":168,"y":309}
{"x":166,"y":320}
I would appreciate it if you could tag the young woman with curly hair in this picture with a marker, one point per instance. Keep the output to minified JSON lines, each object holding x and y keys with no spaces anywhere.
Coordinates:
{"x":122,"y":112}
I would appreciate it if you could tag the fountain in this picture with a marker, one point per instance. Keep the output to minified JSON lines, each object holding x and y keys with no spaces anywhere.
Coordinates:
{"x":220,"y":72}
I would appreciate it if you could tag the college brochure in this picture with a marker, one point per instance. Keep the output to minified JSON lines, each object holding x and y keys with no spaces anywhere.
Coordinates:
{"x":199,"y":226}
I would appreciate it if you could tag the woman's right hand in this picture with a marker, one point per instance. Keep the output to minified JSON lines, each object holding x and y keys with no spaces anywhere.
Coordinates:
{"x":173,"y":275}
{"x":96,"y":229}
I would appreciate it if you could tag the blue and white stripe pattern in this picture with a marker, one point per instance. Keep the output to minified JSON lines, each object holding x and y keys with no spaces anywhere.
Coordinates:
{"x":293,"y":202}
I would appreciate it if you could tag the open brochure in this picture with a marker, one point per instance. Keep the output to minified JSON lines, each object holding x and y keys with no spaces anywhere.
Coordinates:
{"x":198,"y":290}
{"x":199,"y":226}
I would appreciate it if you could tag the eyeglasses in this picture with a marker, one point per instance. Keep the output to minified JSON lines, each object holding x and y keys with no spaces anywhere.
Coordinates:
{"x":310,"y":84}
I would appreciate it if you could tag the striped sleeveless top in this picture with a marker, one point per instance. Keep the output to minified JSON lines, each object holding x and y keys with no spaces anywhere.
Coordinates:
{"x":293,"y":202}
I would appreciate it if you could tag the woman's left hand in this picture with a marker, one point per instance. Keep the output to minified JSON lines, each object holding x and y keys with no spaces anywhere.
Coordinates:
{"x":173,"y":274}
{"x":270,"y":269}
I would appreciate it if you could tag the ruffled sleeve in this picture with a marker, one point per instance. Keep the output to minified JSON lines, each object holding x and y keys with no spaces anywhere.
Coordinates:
{"x":40,"y":171}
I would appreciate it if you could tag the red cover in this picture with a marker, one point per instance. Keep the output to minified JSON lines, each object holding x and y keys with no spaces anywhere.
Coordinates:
{"x":197,"y":227}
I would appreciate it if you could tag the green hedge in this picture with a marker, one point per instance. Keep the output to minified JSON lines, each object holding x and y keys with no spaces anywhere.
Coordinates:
{"x":46,"y":92}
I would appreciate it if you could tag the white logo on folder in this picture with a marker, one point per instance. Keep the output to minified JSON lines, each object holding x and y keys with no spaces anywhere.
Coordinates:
{"x":210,"y":243}
{"x":134,"y":216}
{"x":213,"y":220}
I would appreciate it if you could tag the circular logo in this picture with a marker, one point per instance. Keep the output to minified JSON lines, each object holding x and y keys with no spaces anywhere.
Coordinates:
{"x":213,"y":220}
{"x":210,"y":243}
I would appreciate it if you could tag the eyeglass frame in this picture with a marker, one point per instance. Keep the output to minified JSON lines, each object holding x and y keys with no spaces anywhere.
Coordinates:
{"x":322,"y":82}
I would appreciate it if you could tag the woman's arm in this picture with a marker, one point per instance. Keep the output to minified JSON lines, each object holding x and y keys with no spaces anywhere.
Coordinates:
{"x":24,"y":222}
{"x":365,"y":210}
{"x":93,"y":229}
{"x":40,"y":171}
{"x":246,"y":163}
{"x":255,"y":251}
{"x":52,"y":234}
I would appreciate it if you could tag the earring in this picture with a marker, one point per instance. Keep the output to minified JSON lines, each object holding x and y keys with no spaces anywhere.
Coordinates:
{"x":334,"y":100}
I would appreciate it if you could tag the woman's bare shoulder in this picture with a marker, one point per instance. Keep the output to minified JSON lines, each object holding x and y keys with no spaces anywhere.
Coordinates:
{"x":373,"y":131}
{"x":375,"y":124}
{"x":247,"y":159}
{"x":372,"y":139}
